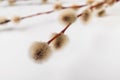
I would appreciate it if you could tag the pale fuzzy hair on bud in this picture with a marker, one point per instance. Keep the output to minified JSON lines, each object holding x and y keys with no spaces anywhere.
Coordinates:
{"x":3,"y":19}
{"x":44,"y":1}
{"x":11,"y":2}
{"x":67,"y":16}
{"x":101,"y":13}
{"x":86,"y":16}
{"x":57,"y":6}
{"x":60,"y":41}
{"x":110,"y":2}
{"x":16,"y":19}
{"x":90,"y":1}
{"x":40,"y":51}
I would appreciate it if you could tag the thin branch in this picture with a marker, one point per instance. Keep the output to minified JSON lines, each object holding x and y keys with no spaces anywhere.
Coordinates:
{"x":59,"y":33}
{"x":37,"y":14}
{"x":42,"y":13}
{"x":65,"y":29}
{"x":62,"y":31}
{"x":76,"y":6}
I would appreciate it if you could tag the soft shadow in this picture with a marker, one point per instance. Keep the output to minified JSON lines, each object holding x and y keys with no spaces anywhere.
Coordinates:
{"x":13,"y":29}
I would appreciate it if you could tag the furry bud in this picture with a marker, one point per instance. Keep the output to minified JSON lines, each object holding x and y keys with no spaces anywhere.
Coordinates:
{"x":16,"y":19}
{"x":86,"y":16}
{"x":67,"y":16}
{"x":11,"y":2}
{"x":57,"y":6}
{"x":44,"y":1}
{"x":60,"y":41}
{"x":90,"y":1}
{"x":101,"y":13}
{"x":110,"y":2}
{"x":40,"y":51}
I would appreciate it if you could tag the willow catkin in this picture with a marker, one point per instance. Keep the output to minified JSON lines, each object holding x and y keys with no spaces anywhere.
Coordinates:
{"x":57,"y":6}
{"x":90,"y":1}
{"x":110,"y":2}
{"x":44,"y":1}
{"x":86,"y":16}
{"x":11,"y":2}
{"x":16,"y":19}
{"x":60,"y":41}
{"x":40,"y":51}
{"x":101,"y":13}
{"x":67,"y":16}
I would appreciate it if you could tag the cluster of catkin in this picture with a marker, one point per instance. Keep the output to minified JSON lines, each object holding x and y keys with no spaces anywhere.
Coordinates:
{"x":41,"y":51}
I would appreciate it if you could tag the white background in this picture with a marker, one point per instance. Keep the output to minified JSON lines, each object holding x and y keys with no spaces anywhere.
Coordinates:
{"x":93,"y":52}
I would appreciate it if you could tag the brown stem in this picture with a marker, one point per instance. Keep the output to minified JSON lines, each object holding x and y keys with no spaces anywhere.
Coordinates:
{"x":48,"y":12}
{"x":62,"y":31}
{"x":117,"y":0}
{"x":76,"y":6}
{"x":59,"y":33}
{"x":97,"y":5}
{"x":6,"y":21}
{"x":79,"y":15}
{"x":37,"y":14}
